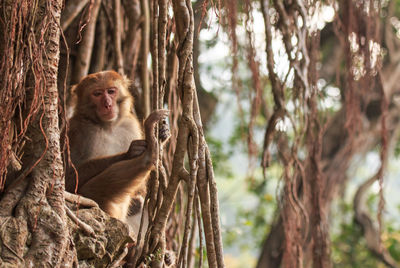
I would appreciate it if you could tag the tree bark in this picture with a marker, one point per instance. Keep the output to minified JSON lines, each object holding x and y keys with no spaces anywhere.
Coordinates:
{"x":85,"y":49}
{"x":144,"y":56}
{"x":207,"y":100}
{"x":99,"y":53}
{"x":41,"y":228}
{"x":132,"y":9}
{"x":40,"y":211}
{"x":36,"y":231}
{"x":71,"y":10}
{"x":353,"y":130}
{"x":119,"y":62}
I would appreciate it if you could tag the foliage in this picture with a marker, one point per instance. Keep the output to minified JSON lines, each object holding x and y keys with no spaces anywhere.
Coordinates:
{"x":220,"y":156}
{"x":323,"y":89}
{"x":397,"y":149}
{"x":349,"y":247}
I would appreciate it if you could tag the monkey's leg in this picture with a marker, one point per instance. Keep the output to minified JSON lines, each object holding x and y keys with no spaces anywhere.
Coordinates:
{"x":90,"y":169}
{"x":113,"y":188}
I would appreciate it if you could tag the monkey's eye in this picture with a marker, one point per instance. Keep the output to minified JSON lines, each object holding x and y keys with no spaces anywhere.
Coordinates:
{"x":97,"y":93}
{"x":111,"y":91}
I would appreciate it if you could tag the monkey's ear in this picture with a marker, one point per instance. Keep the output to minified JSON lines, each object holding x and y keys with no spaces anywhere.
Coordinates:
{"x":126,"y":81}
{"x":73,"y":94}
{"x":72,"y":90}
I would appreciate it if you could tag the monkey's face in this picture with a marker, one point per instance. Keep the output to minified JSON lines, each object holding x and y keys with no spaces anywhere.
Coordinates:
{"x":105,"y":101}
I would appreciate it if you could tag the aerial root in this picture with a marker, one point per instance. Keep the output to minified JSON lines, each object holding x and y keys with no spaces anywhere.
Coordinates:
{"x":80,"y":200}
{"x":85,"y":227}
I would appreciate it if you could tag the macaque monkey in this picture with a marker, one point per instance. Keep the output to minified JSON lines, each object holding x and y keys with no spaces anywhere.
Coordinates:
{"x":112,"y":155}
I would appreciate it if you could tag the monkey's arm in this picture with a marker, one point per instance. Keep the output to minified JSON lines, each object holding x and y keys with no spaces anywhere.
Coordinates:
{"x":119,"y":178}
{"x":128,"y":169}
{"x":88,"y":170}
{"x":93,"y":167}
{"x":113,"y":188}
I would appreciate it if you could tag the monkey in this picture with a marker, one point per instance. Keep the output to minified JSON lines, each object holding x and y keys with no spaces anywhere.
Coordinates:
{"x":111,"y":152}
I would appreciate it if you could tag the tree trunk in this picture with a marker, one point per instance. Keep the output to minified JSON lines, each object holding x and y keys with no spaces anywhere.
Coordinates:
{"x":36,"y":231}
{"x":39,"y":219}
{"x":41,"y":224}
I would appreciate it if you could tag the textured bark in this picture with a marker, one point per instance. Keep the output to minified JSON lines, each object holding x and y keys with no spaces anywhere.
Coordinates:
{"x":107,"y":242}
{"x":44,"y":230}
{"x":132,"y":9}
{"x":144,"y":56}
{"x":119,"y":62}
{"x":39,"y":221}
{"x":207,"y":100}
{"x":354,"y":130}
{"x":190,"y":144}
{"x":99,"y":53}
{"x":84,"y":55}
{"x":271,"y":252}
{"x":335,"y":158}
{"x":36,"y":231}
{"x":71,"y":11}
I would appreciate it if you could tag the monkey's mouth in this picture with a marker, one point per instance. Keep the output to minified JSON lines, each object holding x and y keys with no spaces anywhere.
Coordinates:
{"x":107,"y":115}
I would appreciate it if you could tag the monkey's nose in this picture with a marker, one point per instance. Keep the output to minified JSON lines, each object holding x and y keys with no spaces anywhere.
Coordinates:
{"x":107,"y":103}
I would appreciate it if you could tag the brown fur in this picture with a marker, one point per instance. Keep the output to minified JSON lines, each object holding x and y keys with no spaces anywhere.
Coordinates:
{"x":112,"y":159}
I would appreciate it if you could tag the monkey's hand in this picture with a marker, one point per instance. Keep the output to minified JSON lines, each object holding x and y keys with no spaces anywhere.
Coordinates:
{"x":136,"y":148}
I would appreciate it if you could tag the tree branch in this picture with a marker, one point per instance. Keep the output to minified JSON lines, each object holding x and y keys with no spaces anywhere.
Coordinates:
{"x":117,"y":37}
{"x":144,"y":56}
{"x":99,"y":52}
{"x":71,"y":10}
{"x":132,"y":11}
{"x":85,"y":48}
{"x":371,"y":233}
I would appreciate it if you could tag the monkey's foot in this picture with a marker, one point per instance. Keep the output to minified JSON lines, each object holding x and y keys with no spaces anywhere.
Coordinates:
{"x":79,"y":200}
